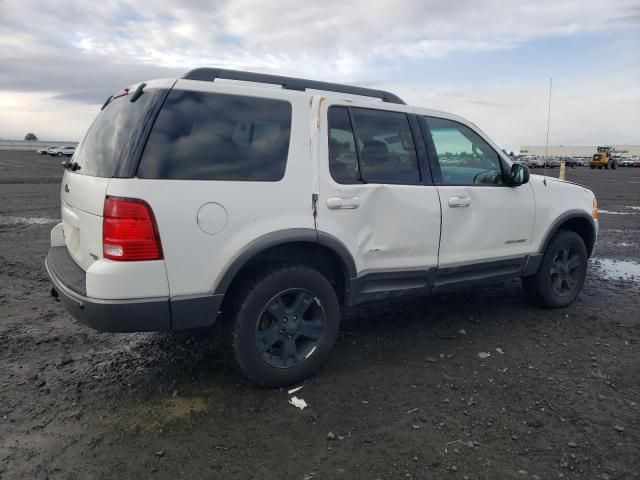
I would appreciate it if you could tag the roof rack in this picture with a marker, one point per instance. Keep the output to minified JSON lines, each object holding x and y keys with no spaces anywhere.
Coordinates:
{"x":210,"y":74}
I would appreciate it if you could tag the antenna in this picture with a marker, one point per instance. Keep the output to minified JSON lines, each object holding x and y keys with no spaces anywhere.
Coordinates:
{"x":546,"y":145}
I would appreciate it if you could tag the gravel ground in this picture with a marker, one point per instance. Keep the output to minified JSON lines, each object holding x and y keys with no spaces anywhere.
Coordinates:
{"x":405,"y":393}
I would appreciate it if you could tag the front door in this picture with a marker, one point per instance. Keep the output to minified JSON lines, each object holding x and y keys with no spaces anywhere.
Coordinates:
{"x":483,"y":219}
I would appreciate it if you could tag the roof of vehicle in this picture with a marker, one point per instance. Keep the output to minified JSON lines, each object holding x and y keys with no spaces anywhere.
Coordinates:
{"x":290,"y":83}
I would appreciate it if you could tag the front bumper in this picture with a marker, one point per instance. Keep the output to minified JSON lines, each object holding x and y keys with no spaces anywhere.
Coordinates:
{"x":130,"y":315}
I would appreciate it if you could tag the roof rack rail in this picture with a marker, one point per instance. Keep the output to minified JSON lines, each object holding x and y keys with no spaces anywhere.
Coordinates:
{"x":210,"y":74}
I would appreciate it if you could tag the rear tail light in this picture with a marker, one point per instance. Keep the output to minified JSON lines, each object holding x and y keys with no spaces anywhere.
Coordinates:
{"x":129,"y":230}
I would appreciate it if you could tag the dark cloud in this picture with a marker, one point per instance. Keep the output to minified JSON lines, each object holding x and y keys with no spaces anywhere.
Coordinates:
{"x":77,"y":77}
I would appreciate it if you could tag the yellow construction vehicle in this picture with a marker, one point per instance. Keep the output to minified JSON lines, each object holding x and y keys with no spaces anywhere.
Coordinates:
{"x":603,"y":158}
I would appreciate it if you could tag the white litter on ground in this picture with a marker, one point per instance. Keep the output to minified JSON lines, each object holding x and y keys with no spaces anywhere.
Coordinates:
{"x":298,"y":403}
{"x":500,"y":351}
{"x":484,"y":355}
{"x":632,"y":207}
{"x":294,"y":390}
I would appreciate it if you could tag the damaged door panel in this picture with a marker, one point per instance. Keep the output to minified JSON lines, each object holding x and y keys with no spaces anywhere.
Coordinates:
{"x":386,"y":225}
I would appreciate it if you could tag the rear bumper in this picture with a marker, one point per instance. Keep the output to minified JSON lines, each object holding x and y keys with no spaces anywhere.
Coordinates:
{"x":130,"y":315}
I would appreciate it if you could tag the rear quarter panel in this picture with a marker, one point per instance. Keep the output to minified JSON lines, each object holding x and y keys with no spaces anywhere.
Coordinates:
{"x":195,"y":260}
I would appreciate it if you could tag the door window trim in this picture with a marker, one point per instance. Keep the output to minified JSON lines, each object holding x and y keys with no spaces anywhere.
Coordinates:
{"x":434,"y":161}
{"x":420,"y":148}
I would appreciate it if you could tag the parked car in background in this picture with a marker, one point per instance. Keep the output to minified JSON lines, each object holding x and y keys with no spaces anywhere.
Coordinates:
{"x":43,"y":150}
{"x":626,"y":163}
{"x":62,"y":151}
{"x":535,"y":162}
{"x":553,"y":163}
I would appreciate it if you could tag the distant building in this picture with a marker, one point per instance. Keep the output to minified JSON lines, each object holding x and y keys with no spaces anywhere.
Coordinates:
{"x":626,"y":151}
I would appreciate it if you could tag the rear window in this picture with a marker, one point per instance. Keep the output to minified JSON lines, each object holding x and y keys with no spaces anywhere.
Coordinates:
{"x":212,"y":136}
{"x":110,"y":148}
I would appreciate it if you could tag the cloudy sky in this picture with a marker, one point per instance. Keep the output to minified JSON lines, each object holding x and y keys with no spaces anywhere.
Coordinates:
{"x":487,"y":60}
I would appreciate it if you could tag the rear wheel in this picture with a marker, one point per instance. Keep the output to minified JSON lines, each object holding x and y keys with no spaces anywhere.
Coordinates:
{"x":280,"y":324}
{"x":614,"y":165}
{"x":562,"y":271}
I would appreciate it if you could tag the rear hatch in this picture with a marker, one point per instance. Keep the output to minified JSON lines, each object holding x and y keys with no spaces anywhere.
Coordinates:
{"x":111,"y":148}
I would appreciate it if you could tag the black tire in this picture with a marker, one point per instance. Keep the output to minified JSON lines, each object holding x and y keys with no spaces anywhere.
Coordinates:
{"x":600,"y":167}
{"x":614,"y":165}
{"x":249,"y":319}
{"x":59,"y":154}
{"x":562,"y":272}
{"x":593,"y":167}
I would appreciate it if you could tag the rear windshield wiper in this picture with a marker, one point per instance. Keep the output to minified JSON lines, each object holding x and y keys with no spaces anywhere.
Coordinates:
{"x":107,"y":101}
{"x":134,"y":96}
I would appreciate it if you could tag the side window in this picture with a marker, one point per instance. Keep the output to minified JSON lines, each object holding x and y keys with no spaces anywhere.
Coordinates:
{"x":386,"y":150}
{"x":343,"y":159}
{"x":464,"y":157}
{"x":212,"y":136}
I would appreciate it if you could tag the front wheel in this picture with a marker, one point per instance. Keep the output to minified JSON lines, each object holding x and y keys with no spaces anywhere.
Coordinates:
{"x":614,"y":165}
{"x":562,"y":271}
{"x":280,"y":324}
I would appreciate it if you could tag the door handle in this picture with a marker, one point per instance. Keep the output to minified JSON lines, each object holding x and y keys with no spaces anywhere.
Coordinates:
{"x":456,"y":202}
{"x":348,"y":203}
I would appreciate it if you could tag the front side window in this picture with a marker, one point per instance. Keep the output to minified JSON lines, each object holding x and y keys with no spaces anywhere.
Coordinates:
{"x":212,"y":136}
{"x":463,"y":156}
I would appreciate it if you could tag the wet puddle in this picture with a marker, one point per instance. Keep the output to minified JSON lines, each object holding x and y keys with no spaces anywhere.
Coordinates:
{"x":180,"y":407}
{"x":618,"y":269}
{"x":610,"y":212}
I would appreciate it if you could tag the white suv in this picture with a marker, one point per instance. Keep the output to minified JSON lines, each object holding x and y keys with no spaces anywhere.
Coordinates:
{"x":220,"y":195}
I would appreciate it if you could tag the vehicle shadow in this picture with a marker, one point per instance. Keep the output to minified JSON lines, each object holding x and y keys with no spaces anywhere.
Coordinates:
{"x":390,"y":331}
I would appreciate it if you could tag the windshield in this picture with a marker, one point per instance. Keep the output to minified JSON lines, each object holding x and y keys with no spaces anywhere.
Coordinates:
{"x":111,"y":146}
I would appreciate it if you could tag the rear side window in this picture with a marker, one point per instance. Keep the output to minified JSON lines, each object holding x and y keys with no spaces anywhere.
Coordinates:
{"x":343,"y":158}
{"x":371,"y":146}
{"x":212,"y":136}
{"x":386,"y":148}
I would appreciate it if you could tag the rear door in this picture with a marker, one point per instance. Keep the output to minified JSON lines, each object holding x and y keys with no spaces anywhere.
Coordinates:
{"x":110,"y":148}
{"x":376,"y":195}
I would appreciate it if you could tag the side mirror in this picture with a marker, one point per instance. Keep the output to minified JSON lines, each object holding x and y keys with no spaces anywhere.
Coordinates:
{"x":519,"y":174}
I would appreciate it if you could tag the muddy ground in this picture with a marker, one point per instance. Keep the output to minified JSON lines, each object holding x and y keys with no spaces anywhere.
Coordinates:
{"x":404,"y":394}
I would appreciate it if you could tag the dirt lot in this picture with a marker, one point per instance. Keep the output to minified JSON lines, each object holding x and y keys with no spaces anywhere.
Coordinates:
{"x":404,"y":395}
